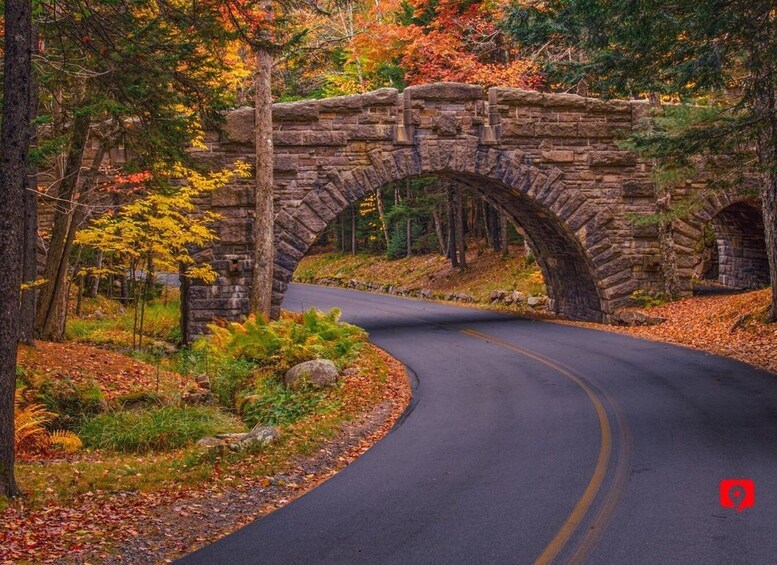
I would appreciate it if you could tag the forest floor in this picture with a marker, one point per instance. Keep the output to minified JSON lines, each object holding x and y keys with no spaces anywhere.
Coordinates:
{"x":726,"y":324}
{"x":729,"y":324}
{"x":103,"y":505}
{"x":486,"y":271}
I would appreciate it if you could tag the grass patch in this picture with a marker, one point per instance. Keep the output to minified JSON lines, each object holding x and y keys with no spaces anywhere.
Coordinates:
{"x":162,"y":322}
{"x":154,"y":429}
{"x":272,"y":404}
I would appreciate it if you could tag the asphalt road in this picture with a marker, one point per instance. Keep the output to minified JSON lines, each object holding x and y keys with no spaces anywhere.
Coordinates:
{"x":536,"y":442}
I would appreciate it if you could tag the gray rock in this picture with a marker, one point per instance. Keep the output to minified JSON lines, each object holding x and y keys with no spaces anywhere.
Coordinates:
{"x":426,"y":293}
{"x":211,"y":442}
{"x":497,"y":295}
{"x":318,"y":372}
{"x":264,"y":435}
{"x":633,"y":318}
{"x":202,"y":381}
{"x":196,"y":396}
{"x":535,"y":301}
{"x":519,"y":297}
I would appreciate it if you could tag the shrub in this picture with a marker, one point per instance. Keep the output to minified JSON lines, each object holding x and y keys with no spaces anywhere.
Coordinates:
{"x":648,"y":299}
{"x":30,"y":434}
{"x":154,"y":429}
{"x":230,"y":377}
{"x":71,"y":402}
{"x":273,"y":404}
{"x":283,"y":343}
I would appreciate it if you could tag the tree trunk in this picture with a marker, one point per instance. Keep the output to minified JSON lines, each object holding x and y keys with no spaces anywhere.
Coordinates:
{"x":453,"y":249}
{"x":57,"y":256}
{"x":503,"y":233}
{"x":261,"y":287}
{"x":459,"y":207}
{"x":14,"y":149}
{"x":51,"y":323}
{"x":382,"y":215}
{"x":408,"y":223}
{"x":353,"y":230}
{"x":30,"y":246}
{"x":342,"y":232}
{"x":185,"y":296}
{"x":438,"y":231}
{"x":765,"y":100}
{"x":94,"y":286}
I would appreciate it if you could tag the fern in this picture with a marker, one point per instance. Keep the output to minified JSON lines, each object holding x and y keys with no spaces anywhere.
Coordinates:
{"x":66,"y":441}
{"x":29,"y":421}
{"x":30,"y":427}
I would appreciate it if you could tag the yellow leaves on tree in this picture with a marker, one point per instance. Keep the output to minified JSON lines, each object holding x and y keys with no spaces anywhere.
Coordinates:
{"x":158,"y":230}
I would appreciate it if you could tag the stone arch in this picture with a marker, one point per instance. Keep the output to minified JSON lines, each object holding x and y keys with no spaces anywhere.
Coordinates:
{"x":736,"y":218}
{"x":588,"y":276}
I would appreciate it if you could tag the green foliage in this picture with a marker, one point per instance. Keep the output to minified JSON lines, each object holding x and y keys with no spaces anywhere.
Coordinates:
{"x":285,"y":342}
{"x":162,"y":322}
{"x":71,"y":402}
{"x":647,"y":299}
{"x":231,"y":378}
{"x":139,"y":399}
{"x":154,"y":429}
{"x":272,"y":404}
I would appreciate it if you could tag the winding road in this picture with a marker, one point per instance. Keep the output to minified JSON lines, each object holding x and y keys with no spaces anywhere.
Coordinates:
{"x":535,"y":442}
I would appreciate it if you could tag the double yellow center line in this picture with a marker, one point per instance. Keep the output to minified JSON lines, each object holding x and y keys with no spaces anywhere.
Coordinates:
{"x":583,"y":505}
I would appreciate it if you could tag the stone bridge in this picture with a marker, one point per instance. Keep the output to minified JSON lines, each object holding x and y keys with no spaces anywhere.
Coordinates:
{"x":549,"y":161}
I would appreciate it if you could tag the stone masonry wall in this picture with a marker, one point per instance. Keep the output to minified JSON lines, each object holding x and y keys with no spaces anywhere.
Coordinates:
{"x":550,"y":161}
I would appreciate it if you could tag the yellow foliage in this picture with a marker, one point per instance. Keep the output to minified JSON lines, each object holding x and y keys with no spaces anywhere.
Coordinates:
{"x":161,"y":227}
{"x":66,"y":441}
{"x":30,"y":431}
{"x":29,"y":421}
{"x":536,"y":278}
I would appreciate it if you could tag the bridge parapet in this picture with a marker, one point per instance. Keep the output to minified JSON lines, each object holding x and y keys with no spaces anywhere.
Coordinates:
{"x":550,"y":161}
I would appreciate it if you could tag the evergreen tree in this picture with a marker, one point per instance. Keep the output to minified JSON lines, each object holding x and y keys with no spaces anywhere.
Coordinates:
{"x":722,"y":52}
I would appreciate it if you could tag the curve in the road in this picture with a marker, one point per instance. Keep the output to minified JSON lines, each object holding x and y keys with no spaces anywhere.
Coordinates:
{"x":536,"y":442}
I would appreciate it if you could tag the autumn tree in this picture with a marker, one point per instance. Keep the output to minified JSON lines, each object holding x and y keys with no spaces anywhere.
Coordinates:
{"x":146,"y":81}
{"x":724,"y":57}
{"x":14,"y":148}
{"x":156,"y":232}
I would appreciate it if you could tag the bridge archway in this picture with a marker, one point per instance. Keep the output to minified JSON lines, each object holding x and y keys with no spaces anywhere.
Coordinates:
{"x":739,"y":256}
{"x":586,"y":275}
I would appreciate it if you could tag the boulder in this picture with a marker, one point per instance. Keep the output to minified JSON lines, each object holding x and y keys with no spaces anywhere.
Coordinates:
{"x":211,"y":442}
{"x":535,"y":301}
{"x":196,"y":395}
{"x":426,"y":293}
{"x":519,"y":297}
{"x":318,"y":372}
{"x":202,"y":381}
{"x":259,"y":435}
{"x":634,"y":318}
{"x":263,"y":435}
{"x":498,"y":295}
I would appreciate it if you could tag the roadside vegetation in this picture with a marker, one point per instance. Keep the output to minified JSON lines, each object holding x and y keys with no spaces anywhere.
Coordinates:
{"x":489,"y":271}
{"x":98,"y":418}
